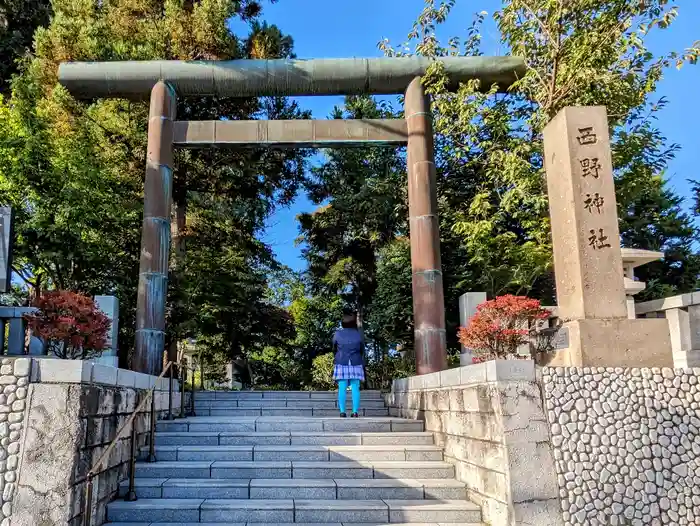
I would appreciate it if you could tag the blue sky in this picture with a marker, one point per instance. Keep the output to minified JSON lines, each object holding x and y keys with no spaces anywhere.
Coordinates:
{"x":335,"y":29}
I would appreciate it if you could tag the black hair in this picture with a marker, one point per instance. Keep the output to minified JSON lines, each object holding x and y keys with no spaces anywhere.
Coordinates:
{"x":349,"y":320}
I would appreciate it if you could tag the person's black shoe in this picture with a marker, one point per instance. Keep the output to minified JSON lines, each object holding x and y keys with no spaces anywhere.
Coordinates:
{"x":354,"y":415}
{"x":343,"y":415}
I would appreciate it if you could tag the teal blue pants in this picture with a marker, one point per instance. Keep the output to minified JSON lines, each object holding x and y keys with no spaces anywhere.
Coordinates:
{"x":343,"y":391}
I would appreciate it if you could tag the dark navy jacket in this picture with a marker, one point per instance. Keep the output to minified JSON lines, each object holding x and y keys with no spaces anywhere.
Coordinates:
{"x":348,"y":346}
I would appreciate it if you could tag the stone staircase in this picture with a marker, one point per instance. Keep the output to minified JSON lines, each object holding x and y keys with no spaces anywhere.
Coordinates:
{"x":286,"y":457}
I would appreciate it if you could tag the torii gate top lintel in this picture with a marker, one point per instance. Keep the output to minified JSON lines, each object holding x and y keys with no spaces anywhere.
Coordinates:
{"x":252,"y":78}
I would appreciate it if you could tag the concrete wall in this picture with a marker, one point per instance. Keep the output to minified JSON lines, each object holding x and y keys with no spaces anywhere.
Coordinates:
{"x":626,"y":444}
{"x":489,"y":417}
{"x":70,"y":411}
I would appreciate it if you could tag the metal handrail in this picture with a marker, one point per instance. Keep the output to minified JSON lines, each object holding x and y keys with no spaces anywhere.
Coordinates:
{"x":131,"y":495}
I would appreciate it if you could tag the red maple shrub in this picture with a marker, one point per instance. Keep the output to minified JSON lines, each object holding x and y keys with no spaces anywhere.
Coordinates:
{"x":501,"y":325}
{"x":70,"y":324}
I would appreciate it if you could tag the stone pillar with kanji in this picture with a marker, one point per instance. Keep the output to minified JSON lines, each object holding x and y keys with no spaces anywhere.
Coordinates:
{"x":587,"y":256}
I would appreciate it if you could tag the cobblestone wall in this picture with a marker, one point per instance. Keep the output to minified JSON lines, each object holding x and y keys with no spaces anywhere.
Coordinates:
{"x":626,"y":444}
{"x":14,"y":381}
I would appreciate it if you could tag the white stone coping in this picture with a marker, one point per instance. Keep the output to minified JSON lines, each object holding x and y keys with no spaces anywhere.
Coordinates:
{"x":673,"y":302}
{"x":479,"y":373}
{"x":56,"y":370}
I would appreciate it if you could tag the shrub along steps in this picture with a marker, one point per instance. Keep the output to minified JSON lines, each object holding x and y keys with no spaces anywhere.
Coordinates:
{"x":324,"y":489}
{"x":286,"y":438}
{"x":280,"y":423}
{"x":293,"y":511}
{"x":296,"y":453}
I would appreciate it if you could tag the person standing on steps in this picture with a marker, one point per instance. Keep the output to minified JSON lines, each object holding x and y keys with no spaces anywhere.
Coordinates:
{"x":349,"y":367}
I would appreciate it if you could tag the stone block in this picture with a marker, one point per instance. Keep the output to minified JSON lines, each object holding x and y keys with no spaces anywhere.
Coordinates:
{"x":53,"y":370}
{"x":437,"y":400}
{"x":510,"y":370}
{"x":188,"y":439}
{"x":443,"y":489}
{"x":614,"y":343}
{"x":205,"y":489}
{"x":486,"y":482}
{"x":256,"y":439}
{"x":179,"y":470}
{"x":540,"y":512}
{"x":287,"y":424}
{"x":251,"y":470}
{"x":397,"y":439}
{"x":104,"y":374}
{"x":362,"y":425}
{"x":21,"y":367}
{"x":473,"y":374}
{"x":416,"y":470}
{"x":340,"y":453}
{"x":248,"y":511}
{"x":126,"y":378}
{"x":368,"y":489}
{"x":53,"y":435}
{"x":531,"y":472}
{"x":292,"y":489}
{"x":450,"y":377}
{"x":205,"y":453}
{"x":398,"y":426}
{"x":289,"y":453}
{"x":368,"y":511}
{"x":421,"y":454}
{"x":227,"y":427}
{"x":145,"y":488}
{"x":427,"y":511}
{"x":155,"y":510}
{"x":488,"y":455}
{"x":336,"y":470}
{"x":326,"y":439}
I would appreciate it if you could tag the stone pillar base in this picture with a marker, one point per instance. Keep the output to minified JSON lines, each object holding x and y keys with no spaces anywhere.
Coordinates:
{"x":614,"y":343}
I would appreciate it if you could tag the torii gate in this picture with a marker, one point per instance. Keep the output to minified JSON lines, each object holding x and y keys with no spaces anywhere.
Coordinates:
{"x":165,"y":80}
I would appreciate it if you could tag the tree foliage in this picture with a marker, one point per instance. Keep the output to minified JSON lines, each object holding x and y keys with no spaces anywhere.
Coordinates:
{"x":74,"y":171}
{"x":494,"y":217}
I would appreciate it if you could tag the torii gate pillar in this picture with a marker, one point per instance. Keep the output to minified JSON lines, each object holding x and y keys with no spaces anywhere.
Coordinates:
{"x":428,"y":296}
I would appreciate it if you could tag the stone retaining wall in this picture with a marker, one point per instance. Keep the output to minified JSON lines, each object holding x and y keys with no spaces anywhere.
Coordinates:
{"x":69,"y":413}
{"x":14,"y":382}
{"x":490,"y":420}
{"x":566,"y":445}
{"x":626,"y":444}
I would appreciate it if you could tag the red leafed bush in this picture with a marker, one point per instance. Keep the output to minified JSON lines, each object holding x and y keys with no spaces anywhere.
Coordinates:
{"x":71,"y":324}
{"x":501,"y":325}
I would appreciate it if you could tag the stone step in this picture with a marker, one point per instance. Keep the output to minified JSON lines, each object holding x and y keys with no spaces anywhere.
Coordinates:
{"x":327,"y":489}
{"x":280,"y":423}
{"x":284,"y":438}
{"x":280,"y":395}
{"x":283,"y":411}
{"x":281,"y":403}
{"x":296,"y":469}
{"x":296,"y":452}
{"x":292,"y":511}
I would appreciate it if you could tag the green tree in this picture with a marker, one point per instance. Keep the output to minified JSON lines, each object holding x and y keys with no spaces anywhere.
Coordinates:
{"x":74,"y":170}
{"x":586,"y":52}
{"x":19,"y":19}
